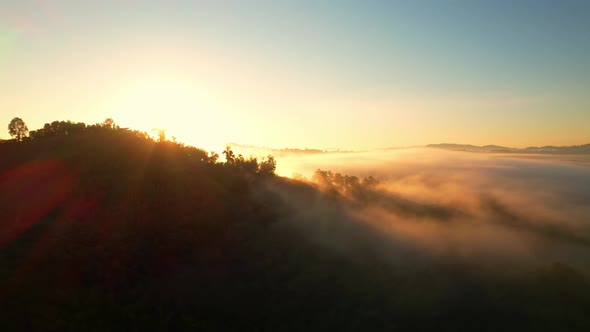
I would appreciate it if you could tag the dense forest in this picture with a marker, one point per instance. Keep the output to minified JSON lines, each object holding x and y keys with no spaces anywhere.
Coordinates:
{"x":104,"y":228}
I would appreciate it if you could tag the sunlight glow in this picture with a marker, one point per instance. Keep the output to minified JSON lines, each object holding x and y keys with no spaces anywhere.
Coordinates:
{"x":166,"y":103}
{"x":156,"y":104}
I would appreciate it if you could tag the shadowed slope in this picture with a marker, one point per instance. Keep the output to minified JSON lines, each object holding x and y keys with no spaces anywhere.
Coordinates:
{"x":137,"y":235}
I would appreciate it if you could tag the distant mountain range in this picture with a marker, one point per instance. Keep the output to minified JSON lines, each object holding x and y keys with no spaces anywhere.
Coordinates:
{"x":574,"y":149}
{"x":563,"y":150}
{"x":242,"y":148}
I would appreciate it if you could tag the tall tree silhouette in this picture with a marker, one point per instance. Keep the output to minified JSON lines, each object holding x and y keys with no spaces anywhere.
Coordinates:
{"x":18,"y":129}
{"x":230,"y":157}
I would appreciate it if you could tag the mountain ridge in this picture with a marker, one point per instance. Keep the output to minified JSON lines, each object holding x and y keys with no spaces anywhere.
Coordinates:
{"x":548,"y":149}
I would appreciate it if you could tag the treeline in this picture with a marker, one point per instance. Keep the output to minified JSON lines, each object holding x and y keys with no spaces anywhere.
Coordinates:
{"x":347,"y":185}
{"x":108,"y":229}
{"x":57,"y":128}
{"x":20,"y":132}
{"x":18,"y":129}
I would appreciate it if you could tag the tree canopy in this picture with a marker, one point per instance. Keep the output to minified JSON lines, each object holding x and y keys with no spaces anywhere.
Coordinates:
{"x":238,"y":165}
{"x":18,"y":129}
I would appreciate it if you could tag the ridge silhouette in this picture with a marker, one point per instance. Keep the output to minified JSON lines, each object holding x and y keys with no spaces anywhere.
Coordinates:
{"x":104,"y":228}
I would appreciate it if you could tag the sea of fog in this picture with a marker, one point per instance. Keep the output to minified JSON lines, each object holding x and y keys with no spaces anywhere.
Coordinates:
{"x":523,"y":209}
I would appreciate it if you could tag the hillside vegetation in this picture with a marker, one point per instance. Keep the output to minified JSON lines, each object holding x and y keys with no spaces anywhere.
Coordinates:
{"x":105,"y":229}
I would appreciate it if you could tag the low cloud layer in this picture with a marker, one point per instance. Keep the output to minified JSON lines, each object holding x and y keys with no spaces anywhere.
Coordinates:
{"x":441,"y":204}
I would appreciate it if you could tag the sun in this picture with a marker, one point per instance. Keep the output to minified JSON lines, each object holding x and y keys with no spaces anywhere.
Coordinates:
{"x":175,"y":105}
{"x":159,"y":104}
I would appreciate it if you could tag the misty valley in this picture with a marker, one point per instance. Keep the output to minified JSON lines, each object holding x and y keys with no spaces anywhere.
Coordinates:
{"x":103,"y":228}
{"x":295,"y":165}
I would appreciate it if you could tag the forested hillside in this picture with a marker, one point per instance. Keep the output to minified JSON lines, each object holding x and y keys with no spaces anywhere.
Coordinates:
{"x":105,"y":229}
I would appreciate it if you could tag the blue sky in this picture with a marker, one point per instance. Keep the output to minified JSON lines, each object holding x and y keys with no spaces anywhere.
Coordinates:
{"x":349,"y":74}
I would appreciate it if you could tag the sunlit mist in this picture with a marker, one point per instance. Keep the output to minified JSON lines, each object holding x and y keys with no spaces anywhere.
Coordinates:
{"x":295,"y":165}
{"x":348,"y":76}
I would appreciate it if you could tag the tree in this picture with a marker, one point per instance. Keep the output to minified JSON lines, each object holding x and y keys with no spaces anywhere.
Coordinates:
{"x":213,"y":157}
{"x":267,"y":166}
{"x":230,"y":157}
{"x":249,"y":165}
{"x":370,"y":182}
{"x":18,"y":129}
{"x":160,"y":133}
{"x":109,"y":123}
{"x":48,"y":130}
{"x":323,"y":178}
{"x":58,"y":128}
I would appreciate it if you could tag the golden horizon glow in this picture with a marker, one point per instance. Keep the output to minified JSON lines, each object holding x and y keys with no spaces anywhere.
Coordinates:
{"x":167,"y":103}
{"x":313,"y":78}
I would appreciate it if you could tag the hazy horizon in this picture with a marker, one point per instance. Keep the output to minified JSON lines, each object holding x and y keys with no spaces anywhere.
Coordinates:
{"x":298,"y":74}
{"x":295,"y":165}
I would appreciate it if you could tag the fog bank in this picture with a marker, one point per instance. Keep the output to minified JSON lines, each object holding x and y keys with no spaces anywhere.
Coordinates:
{"x":442,"y":204}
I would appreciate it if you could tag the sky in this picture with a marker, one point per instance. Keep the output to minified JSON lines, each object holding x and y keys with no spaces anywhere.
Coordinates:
{"x":304,"y":74}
